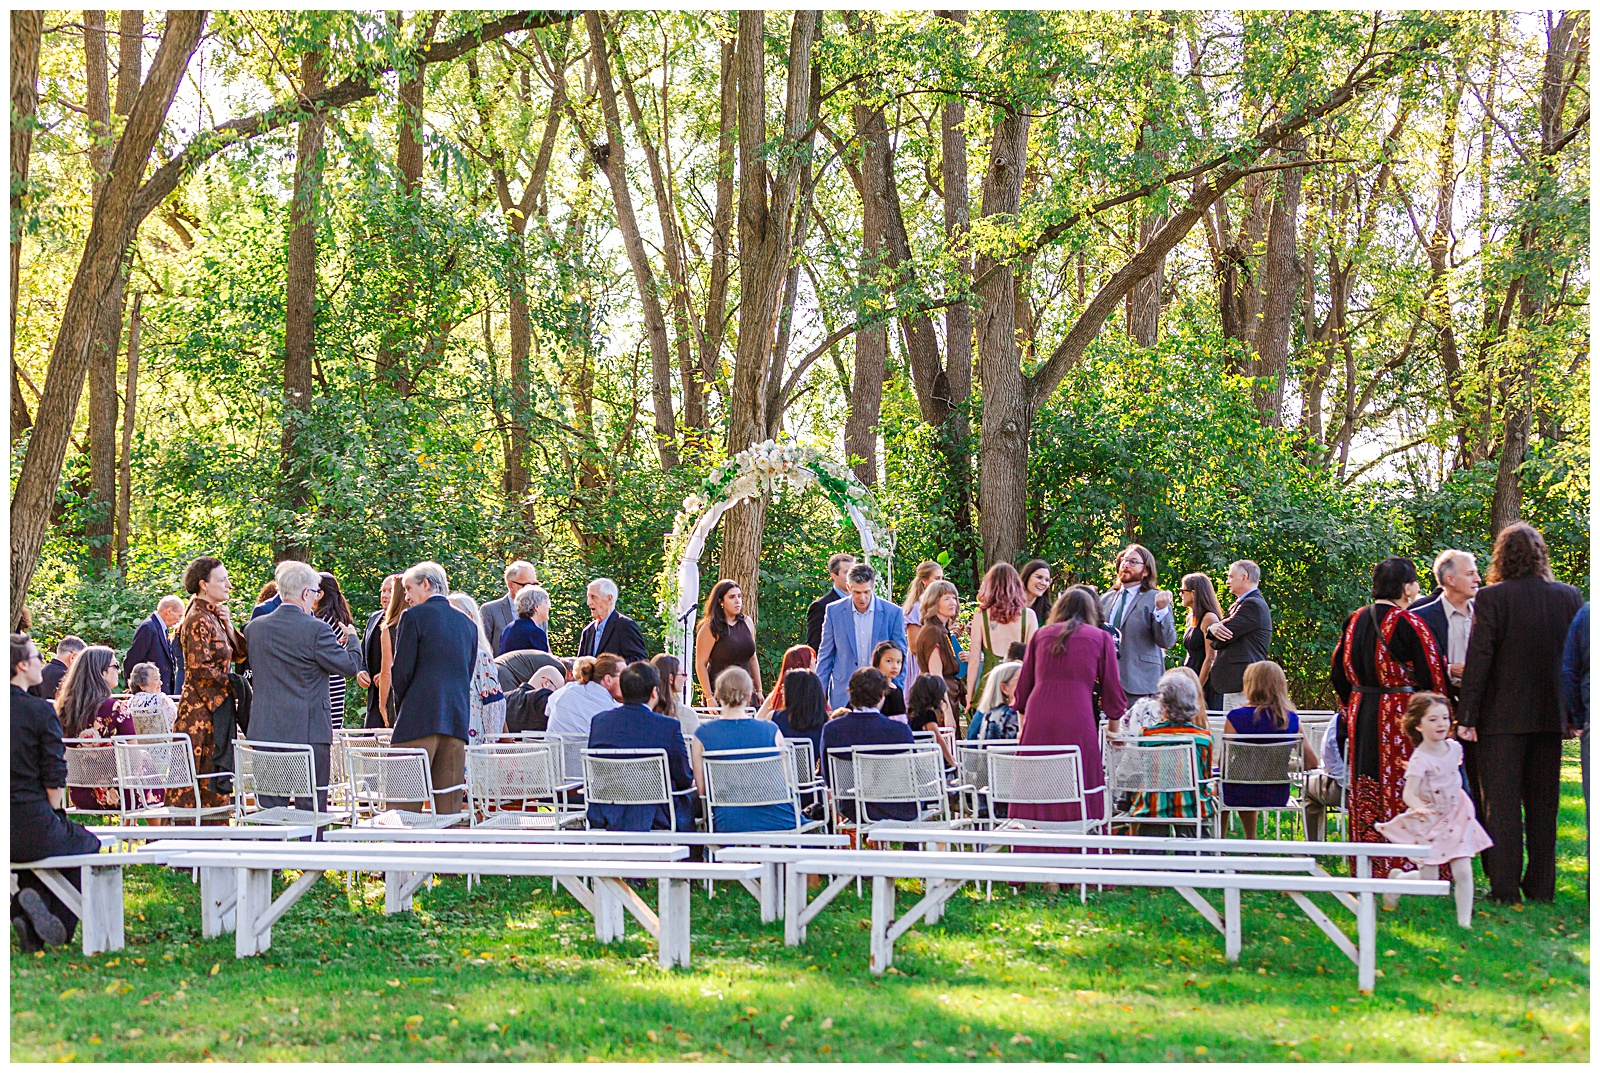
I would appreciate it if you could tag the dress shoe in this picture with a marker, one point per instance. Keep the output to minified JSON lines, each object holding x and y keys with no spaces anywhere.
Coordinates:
{"x":45,"y":925}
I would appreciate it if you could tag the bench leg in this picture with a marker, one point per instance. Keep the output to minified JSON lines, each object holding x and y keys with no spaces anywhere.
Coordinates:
{"x":102,"y":909}
{"x":673,"y":910}
{"x":1366,"y":943}
{"x":770,"y":898}
{"x":398,"y":887}
{"x":610,"y":919}
{"x":882,"y":913}
{"x":254,"y":901}
{"x":794,"y":900}
{"x":1232,"y":929}
{"x":219,"y":892}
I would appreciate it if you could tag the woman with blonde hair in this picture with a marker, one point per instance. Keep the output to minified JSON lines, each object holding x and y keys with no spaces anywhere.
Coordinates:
{"x":933,"y":647}
{"x":995,"y":717}
{"x":388,"y":631}
{"x":928,"y":571}
{"x":1267,"y":717}
{"x":739,"y":731}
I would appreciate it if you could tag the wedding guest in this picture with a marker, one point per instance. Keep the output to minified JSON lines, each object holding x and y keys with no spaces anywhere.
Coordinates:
{"x":267,"y":600}
{"x":1204,"y":611}
{"x":372,"y":653}
{"x":593,"y":690}
{"x":928,"y":571}
{"x":333,"y":609}
{"x":1036,"y":581}
{"x":795,"y":658}
{"x":737,"y":730}
{"x":1268,"y":718}
{"x":67,"y":650}
{"x":1244,"y":635}
{"x":851,"y":629}
{"x":934,"y":651}
{"x":839,"y":566}
{"x":151,"y":644}
{"x":1002,"y":617}
{"x":726,"y":638}
{"x":864,"y":724}
{"x":486,"y":719}
{"x":147,"y":697}
{"x":630,"y":724}
{"x":435,"y":657}
{"x":889,"y":659}
{"x":610,"y":631}
{"x":1448,"y":614}
{"x":1139,"y":614}
{"x":804,"y":711}
{"x":210,"y":645}
{"x":86,"y":710}
{"x":530,"y":629}
{"x":669,"y":693}
{"x":1575,"y":695}
{"x":498,"y":614}
{"x":388,"y":632}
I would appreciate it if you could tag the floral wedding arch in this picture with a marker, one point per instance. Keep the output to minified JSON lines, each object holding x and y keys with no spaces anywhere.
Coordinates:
{"x":760,"y":468}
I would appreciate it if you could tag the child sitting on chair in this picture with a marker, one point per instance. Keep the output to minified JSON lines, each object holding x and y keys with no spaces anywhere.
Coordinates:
{"x":1439,"y":814}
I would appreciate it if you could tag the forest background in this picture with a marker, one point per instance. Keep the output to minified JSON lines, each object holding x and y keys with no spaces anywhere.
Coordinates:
{"x":368,"y":287}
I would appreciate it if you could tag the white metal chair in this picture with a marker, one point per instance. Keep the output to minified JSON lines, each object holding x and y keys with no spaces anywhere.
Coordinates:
{"x":972,"y":774}
{"x":1155,"y":765}
{"x":841,"y":787}
{"x":147,"y":763}
{"x":752,"y":778}
{"x":381,"y":776}
{"x":1260,"y":760}
{"x":91,"y":765}
{"x":568,"y":750}
{"x":1041,"y":775}
{"x":629,"y":777}
{"x":148,"y":722}
{"x":278,"y":769}
{"x":897,"y":774}
{"x":502,"y":774}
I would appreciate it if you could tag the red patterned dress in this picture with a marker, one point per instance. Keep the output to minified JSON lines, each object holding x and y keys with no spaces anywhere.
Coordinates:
{"x":1384,"y":656}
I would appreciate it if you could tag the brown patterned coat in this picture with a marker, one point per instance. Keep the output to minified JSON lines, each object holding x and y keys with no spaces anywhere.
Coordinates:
{"x":210,"y":646}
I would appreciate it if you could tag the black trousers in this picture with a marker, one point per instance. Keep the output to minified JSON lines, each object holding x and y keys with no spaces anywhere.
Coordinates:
{"x":1520,"y":775}
{"x":38,"y":832}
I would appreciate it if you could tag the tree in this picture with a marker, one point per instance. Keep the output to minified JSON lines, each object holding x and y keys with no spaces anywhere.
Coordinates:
{"x":26,"y":29}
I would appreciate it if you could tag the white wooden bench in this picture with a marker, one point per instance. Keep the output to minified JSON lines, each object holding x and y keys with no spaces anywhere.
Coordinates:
{"x":98,"y":905}
{"x":115,"y":837}
{"x":609,"y":899}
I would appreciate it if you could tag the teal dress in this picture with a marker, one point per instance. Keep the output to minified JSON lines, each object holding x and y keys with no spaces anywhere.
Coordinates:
{"x":717,"y":735}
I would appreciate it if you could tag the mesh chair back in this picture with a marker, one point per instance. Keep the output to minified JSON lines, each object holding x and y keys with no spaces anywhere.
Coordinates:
{"x":626,"y":777}
{"x":748,"y":777}
{"x":925,"y":737}
{"x":275,"y":770}
{"x":510,"y":772}
{"x":156,"y":762}
{"x":1258,"y":762}
{"x":1051,"y":776}
{"x":1144,"y":766}
{"x":909,"y":776}
{"x":91,"y":764}
{"x":805,"y":760}
{"x":973,"y":760}
{"x":568,"y":750}
{"x":380,"y":775}
{"x":841,"y":772}
{"x":149,"y":722}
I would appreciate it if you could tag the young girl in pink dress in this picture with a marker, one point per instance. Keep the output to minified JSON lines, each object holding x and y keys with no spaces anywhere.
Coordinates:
{"x":1439,"y":814}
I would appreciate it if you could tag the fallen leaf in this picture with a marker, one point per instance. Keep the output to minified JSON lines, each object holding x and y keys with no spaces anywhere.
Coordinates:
{"x":70,"y":992}
{"x":651,"y":1036}
{"x":216,"y":968}
{"x":414,"y":1019}
{"x":827,"y":1022}
{"x":1020,"y":1038}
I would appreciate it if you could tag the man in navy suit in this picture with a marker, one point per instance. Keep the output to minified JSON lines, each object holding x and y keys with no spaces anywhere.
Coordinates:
{"x":839,"y":567}
{"x":1449,"y":615}
{"x":435,"y":650}
{"x":635,"y":726}
{"x":611,"y":631}
{"x":152,"y":645}
{"x":851,"y":629}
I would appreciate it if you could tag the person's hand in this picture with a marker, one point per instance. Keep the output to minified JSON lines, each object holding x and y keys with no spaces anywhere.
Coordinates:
{"x":349,"y":632}
{"x":1456,"y":670}
{"x":364,"y":680}
{"x":1221,"y":632}
{"x":1163,"y":599}
{"x":1467,"y":733}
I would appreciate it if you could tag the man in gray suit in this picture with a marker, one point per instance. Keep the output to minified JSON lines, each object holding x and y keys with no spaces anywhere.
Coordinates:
{"x":496,"y":615}
{"x":292,"y":653}
{"x":1139,"y":616}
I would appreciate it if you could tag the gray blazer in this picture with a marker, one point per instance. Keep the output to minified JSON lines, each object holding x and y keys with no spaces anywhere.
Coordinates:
{"x":496,"y":615}
{"x":291,"y":656}
{"x":1142,"y":655}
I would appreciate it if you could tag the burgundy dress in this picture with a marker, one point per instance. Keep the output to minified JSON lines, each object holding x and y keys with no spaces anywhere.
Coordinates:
{"x":1056,"y":693}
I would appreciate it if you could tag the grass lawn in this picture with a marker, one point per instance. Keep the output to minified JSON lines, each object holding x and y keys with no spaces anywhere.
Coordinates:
{"x":511,"y":971}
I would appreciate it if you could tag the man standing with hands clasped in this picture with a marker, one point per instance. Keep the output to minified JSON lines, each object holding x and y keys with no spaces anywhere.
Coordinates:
{"x":1244,"y":637}
{"x":1140,"y":618}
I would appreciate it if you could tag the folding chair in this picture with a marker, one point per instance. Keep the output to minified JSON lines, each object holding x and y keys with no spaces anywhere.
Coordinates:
{"x":897,"y":774}
{"x":148,"y":722}
{"x":502,"y":774}
{"x":1042,"y":775}
{"x":278,"y":769}
{"x":91,"y":765}
{"x":150,"y":762}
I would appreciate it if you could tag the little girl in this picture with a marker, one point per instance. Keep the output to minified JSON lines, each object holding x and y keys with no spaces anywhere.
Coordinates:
{"x":889,"y":658}
{"x":1439,"y":814}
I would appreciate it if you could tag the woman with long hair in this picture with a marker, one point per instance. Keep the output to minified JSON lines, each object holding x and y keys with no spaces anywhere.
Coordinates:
{"x":928,"y":708}
{"x":1036,"y":581}
{"x":1200,"y":597}
{"x":388,"y":632}
{"x":335,"y":611}
{"x":940,"y":605}
{"x":928,"y":571}
{"x":1267,"y":714}
{"x":211,"y":645}
{"x":1069,"y":661}
{"x":1385,"y":654}
{"x":1003,"y":617}
{"x":726,"y":638}
{"x":805,"y":710}
{"x":86,"y":710}
{"x":795,"y":658}
{"x":668,"y":698}
{"x":486,"y":720}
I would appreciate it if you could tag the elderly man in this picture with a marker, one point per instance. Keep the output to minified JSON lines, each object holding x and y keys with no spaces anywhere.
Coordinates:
{"x":435,"y":650}
{"x":496,"y":615}
{"x":67,"y":650}
{"x":1449,"y":614}
{"x":292,"y":653}
{"x":1243,"y":637}
{"x":611,"y":631}
{"x":1139,"y":615}
{"x":151,"y":644}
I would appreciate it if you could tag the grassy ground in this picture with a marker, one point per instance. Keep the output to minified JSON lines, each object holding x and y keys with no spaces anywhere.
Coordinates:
{"x":512,"y":971}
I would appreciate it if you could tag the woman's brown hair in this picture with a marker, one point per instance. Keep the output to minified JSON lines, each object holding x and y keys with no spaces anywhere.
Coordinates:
{"x":1266,"y":688}
{"x":397,"y":605}
{"x":1520,"y":551}
{"x":714,"y":617}
{"x":665,"y":699}
{"x":936,"y":591}
{"x":1205,"y":597}
{"x":198,"y":571}
{"x":1421,"y":704}
{"x":1076,"y":607}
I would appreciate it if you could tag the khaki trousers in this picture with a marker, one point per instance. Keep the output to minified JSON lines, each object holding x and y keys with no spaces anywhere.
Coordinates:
{"x":447,"y":764}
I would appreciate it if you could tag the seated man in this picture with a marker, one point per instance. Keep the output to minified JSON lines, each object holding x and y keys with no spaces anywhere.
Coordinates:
{"x":864,"y":724}
{"x":635,"y":726}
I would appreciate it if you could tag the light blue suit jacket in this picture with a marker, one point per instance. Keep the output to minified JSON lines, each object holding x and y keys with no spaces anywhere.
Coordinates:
{"x":838,"y":659}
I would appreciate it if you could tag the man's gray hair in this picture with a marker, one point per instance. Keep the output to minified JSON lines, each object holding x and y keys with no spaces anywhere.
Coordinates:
{"x":863,"y":573}
{"x":1448,"y":561}
{"x":432,"y":573}
{"x":1179,"y":697}
{"x":529,"y":600}
{"x":69,"y":644}
{"x":294,"y":577}
{"x":606,"y":586}
{"x":515,"y":568}
{"x":169,"y":601}
{"x":1248,"y":569}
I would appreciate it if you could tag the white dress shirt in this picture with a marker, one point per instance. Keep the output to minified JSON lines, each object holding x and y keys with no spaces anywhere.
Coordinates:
{"x":863,"y":621}
{"x":599,"y":635}
{"x":573,"y":706}
{"x":1460,"y":630}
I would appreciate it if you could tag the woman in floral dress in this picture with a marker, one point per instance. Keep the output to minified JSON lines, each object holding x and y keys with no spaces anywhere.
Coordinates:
{"x":211,"y":645}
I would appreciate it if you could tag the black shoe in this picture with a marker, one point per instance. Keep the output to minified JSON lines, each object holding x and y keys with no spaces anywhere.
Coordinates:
{"x":27,"y":941}
{"x":45,"y":925}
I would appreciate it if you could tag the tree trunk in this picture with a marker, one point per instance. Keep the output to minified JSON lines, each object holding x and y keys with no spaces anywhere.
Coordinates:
{"x":955,"y":388}
{"x":1280,"y":271}
{"x":299,"y":333}
{"x":110,"y":231}
{"x":130,"y":59}
{"x":612,"y":159}
{"x":130,"y":412}
{"x":1506,"y":507}
{"x":872,"y":344}
{"x":100,"y":525}
{"x":27,"y":28}
{"x":716,"y":319}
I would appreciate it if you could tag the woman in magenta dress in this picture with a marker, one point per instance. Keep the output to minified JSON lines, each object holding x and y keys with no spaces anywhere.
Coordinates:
{"x":1068,"y":662}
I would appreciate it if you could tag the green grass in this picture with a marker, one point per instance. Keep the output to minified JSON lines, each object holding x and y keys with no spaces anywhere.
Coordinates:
{"x":512,"y":972}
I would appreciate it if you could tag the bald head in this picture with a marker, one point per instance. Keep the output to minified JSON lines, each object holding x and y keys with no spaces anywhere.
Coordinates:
{"x":170,"y":609}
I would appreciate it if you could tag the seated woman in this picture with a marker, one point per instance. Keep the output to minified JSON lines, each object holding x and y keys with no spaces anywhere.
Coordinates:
{"x":668,"y":699}
{"x":804,"y":711}
{"x":797,"y":658}
{"x":888,"y":657}
{"x":739,"y":730}
{"x":144,"y":685}
{"x":996,"y":718}
{"x":930,"y":709}
{"x":86,"y":710}
{"x":1268,"y":713}
{"x":1182,"y":718}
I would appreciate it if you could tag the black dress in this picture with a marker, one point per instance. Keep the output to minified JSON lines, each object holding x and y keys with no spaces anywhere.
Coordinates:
{"x":39,"y":761}
{"x":1194,"y":647}
{"x":894,"y":701}
{"x":735,"y":648}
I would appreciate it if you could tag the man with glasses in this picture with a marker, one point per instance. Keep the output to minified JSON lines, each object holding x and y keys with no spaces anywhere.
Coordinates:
{"x":496,"y":615}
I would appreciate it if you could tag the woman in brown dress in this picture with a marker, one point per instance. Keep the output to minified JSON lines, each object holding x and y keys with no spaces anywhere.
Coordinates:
{"x":932,"y":648}
{"x":210,"y":646}
{"x":725,"y":639}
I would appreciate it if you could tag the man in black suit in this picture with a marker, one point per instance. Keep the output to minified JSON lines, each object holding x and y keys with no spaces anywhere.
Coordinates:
{"x":152,"y":645}
{"x":1244,"y":637}
{"x":1449,"y":614}
{"x":635,"y":726}
{"x":611,"y":631}
{"x":1511,"y":706}
{"x":839,"y":569}
{"x":435,"y":650}
{"x":67,"y":650}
